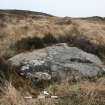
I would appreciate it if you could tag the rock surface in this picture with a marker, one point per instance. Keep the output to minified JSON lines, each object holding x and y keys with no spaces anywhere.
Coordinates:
{"x":58,"y":61}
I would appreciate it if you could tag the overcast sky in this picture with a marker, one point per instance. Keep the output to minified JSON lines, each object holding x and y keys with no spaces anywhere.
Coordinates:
{"x":72,"y":8}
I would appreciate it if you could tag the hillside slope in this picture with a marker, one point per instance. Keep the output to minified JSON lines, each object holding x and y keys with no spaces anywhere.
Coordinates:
{"x":25,"y":30}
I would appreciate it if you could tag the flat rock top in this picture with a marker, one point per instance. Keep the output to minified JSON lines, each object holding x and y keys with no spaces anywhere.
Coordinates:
{"x":27,"y":56}
{"x":60,"y":58}
{"x":62,"y":51}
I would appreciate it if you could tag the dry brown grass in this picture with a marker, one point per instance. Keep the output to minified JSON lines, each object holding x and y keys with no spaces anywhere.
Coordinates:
{"x":15,"y":27}
{"x":9,"y":95}
{"x":82,"y":93}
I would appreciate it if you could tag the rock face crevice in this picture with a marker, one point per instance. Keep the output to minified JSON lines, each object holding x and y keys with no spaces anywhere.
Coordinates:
{"x":79,"y":60}
{"x":58,"y":61}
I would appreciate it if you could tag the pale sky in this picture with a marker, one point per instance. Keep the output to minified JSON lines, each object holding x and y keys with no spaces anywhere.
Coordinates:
{"x":72,"y":8}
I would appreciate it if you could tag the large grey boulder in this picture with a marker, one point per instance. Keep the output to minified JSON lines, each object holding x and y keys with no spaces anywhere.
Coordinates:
{"x":58,"y":61}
